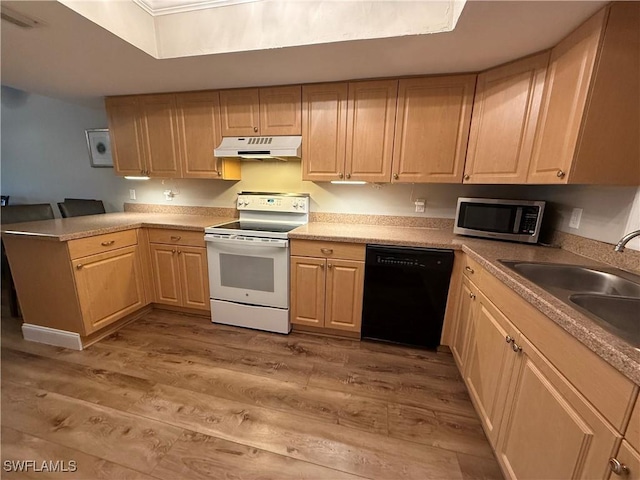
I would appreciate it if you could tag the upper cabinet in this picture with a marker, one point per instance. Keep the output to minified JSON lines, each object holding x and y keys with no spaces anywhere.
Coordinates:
{"x":199,"y":132}
{"x":503,"y":125}
{"x":589,"y":118}
{"x":261,"y":111}
{"x":168,"y":136}
{"x":432,"y":129}
{"x":348,"y":131}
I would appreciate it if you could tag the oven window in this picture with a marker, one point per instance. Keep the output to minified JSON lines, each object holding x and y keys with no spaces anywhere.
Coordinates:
{"x":249,"y":273}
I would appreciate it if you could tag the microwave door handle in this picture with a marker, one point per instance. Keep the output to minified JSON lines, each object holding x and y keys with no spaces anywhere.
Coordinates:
{"x":518,"y":220}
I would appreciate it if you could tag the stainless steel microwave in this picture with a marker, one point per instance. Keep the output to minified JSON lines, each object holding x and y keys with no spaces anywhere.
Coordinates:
{"x":515,"y":220}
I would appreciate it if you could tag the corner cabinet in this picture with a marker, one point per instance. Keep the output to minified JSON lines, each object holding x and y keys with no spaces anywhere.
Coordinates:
{"x":179,"y":268}
{"x":589,"y":119}
{"x":432,"y":129}
{"x":532,"y":386}
{"x":327,"y":285}
{"x":503,"y":124}
{"x":261,"y":111}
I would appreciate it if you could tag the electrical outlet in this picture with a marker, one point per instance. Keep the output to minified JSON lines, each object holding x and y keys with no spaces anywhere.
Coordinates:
{"x":419,"y":203}
{"x":132,"y":194}
{"x":168,"y":195}
{"x":576,"y":215}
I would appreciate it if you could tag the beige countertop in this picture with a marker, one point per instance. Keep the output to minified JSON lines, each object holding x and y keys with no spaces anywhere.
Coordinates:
{"x":487,"y":253}
{"x":63,"y":229}
{"x":615,"y":351}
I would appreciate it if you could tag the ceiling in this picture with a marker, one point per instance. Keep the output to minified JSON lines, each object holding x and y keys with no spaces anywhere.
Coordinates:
{"x":73,"y":58}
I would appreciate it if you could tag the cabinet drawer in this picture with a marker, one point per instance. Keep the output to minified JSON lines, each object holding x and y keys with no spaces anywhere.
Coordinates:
{"x":471,"y":269}
{"x":101,"y":243}
{"x":190,"y":238}
{"x":633,"y":430}
{"x":321,"y":249}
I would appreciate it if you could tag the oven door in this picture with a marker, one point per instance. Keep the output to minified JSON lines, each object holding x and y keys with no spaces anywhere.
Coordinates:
{"x":248,"y":270}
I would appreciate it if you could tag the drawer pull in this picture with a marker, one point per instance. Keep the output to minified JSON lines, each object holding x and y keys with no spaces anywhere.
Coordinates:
{"x":175,"y":238}
{"x":617,"y":467}
{"x":173,"y":250}
{"x":329,"y":266}
{"x":327,"y":251}
{"x":108,"y":244}
{"x":515,"y":347}
{"x":79,"y":266}
{"x":509,"y":339}
{"x":472,"y":295}
{"x":469,"y":269}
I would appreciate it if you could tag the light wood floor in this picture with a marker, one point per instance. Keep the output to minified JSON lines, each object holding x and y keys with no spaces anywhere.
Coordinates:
{"x":176,"y":397}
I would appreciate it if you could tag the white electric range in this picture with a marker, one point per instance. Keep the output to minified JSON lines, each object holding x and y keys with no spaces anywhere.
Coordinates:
{"x":249,"y":261}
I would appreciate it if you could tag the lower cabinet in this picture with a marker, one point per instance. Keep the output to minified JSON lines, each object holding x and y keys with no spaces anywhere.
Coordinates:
{"x":326,"y":292}
{"x":109,"y":286}
{"x":547,"y":416}
{"x":180,"y":274}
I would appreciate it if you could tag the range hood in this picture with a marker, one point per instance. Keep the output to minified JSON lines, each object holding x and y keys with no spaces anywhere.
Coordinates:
{"x":260,"y":148}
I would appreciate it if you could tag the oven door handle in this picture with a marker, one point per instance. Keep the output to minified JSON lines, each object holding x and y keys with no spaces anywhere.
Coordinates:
{"x":245,"y":243}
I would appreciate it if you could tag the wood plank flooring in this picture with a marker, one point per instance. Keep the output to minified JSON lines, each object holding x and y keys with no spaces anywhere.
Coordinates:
{"x":173,"y":396}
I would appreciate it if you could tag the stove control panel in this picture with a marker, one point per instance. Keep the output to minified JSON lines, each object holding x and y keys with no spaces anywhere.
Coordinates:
{"x":265,"y":202}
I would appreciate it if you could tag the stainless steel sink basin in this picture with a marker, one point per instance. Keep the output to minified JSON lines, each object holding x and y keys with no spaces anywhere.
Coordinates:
{"x":621,"y":314}
{"x":576,"y":278}
{"x":609,"y":296}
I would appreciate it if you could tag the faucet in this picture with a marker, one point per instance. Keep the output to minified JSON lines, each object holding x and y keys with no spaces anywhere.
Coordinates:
{"x":624,"y":240}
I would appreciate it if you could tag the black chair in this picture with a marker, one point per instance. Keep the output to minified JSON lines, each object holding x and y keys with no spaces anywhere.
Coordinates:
{"x":77,"y":207}
{"x":20,"y":214}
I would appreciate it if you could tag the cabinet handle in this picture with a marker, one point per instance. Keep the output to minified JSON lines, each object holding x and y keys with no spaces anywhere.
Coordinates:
{"x":560,"y":174}
{"x":329,"y":266}
{"x":617,"y":467}
{"x":179,"y":252}
{"x":109,"y":243}
{"x":396,"y":176}
{"x":219,"y":173}
{"x":469,"y":269}
{"x":472,"y":295}
{"x":173,"y":250}
{"x":509,"y":339}
{"x":348,"y":175}
{"x":79,"y":266}
{"x":175,"y":238}
{"x":466,"y":177}
{"x":322,"y":266}
{"x":340,"y":175}
{"x":255,"y":129}
{"x":327,"y":251}
{"x":515,"y":347}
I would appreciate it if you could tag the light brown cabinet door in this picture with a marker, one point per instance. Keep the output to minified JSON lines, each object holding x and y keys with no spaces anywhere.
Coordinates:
{"x":109,"y":287}
{"x":307,"y":291}
{"x":464,"y":317}
{"x":166,"y":274}
{"x":490,"y":360}
{"x":503,"y":124}
{"x":281,"y":110}
{"x":344,"y":293}
{"x":630,"y":458}
{"x":160,"y":134}
{"x":371,"y":115}
{"x":324,"y":123}
{"x":549,"y":429}
{"x":125,"y":135}
{"x":432,"y":129}
{"x":199,"y":133}
{"x":565,"y":95}
{"x":240,"y":112}
{"x":194,"y":277}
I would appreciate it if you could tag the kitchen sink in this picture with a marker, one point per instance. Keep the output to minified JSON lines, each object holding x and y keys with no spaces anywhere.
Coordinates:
{"x":609,"y":296}
{"x":621,"y":314}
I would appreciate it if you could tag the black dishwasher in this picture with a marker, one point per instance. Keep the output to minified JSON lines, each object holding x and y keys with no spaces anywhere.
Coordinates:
{"x":405,"y":294}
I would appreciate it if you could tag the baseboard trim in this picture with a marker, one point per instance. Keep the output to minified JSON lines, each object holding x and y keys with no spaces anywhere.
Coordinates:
{"x":51,"y":336}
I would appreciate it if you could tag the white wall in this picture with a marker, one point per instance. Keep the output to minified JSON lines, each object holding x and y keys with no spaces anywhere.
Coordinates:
{"x":44,"y":159}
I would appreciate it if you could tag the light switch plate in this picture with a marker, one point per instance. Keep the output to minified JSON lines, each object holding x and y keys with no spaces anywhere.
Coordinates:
{"x":419,"y":203}
{"x":132,"y":194}
{"x":576,"y":215}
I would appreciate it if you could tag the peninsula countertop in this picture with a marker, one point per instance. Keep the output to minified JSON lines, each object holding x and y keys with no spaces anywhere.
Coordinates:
{"x":63,"y":229}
